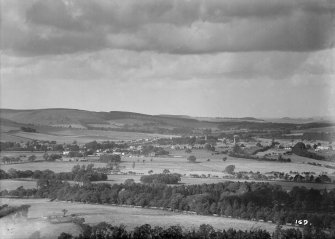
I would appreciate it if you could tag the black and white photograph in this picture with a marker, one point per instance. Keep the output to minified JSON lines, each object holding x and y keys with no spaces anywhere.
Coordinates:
{"x":164,"y":119}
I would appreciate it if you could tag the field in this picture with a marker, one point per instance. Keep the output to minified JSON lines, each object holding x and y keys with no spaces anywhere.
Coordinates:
{"x":68,"y":135}
{"x":131,"y":217}
{"x":54,"y":166}
{"x":216,"y":166}
{"x":80,"y":135}
{"x":10,"y":184}
{"x":178,"y":163}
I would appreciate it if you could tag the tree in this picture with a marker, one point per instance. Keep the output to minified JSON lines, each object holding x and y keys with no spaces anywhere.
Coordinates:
{"x":64,"y":212}
{"x":206,"y":230}
{"x":64,"y":235}
{"x":166,"y":171}
{"x":209,"y":147}
{"x":188,"y":151}
{"x":191,"y":158}
{"x":110,"y":158}
{"x":129,"y":182}
{"x":230,"y":169}
{"x":31,"y":158}
{"x":45,"y":156}
{"x":237,"y":149}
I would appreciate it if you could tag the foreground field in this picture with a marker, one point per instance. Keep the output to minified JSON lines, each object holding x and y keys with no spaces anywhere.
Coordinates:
{"x":131,"y":217}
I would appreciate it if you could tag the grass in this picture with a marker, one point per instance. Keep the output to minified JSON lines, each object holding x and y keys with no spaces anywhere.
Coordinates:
{"x":132,"y":217}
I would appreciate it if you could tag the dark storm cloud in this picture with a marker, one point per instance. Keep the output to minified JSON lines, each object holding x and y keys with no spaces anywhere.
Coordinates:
{"x":177,"y":27}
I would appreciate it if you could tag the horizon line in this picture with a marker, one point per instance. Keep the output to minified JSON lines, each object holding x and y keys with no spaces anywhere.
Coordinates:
{"x":323,"y":117}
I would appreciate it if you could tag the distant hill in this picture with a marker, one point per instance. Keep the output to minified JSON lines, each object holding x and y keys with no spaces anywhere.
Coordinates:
{"x":215,"y":119}
{"x":136,"y":122}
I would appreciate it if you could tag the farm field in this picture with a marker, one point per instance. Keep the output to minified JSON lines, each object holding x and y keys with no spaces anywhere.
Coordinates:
{"x":216,"y":165}
{"x":180,"y":164}
{"x":25,"y":154}
{"x":131,"y":217}
{"x":11,"y":184}
{"x":54,"y":166}
{"x":177,"y":163}
{"x":64,"y":135}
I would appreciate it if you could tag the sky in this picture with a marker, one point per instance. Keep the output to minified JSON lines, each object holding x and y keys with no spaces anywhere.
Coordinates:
{"x":218,"y":58}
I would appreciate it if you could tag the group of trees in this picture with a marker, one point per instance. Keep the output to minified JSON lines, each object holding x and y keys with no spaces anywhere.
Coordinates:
{"x":28,"y":129}
{"x":238,"y":152}
{"x":79,"y":173}
{"x":230,"y":169}
{"x":310,"y":178}
{"x":147,"y":149}
{"x":191,"y":159}
{"x":10,"y":160}
{"x":34,"y":145}
{"x":164,"y":178}
{"x":110,"y":158}
{"x":51,"y":157}
{"x":188,"y":140}
{"x":209,"y":147}
{"x":280,"y":158}
{"x":105,"y":145}
{"x":104,"y":230}
{"x":247,"y":200}
{"x":301,"y":150}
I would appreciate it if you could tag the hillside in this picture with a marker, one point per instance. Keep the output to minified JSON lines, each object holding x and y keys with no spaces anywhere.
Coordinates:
{"x":82,"y":123}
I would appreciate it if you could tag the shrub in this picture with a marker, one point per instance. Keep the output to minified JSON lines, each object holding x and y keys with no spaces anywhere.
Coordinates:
{"x":191,"y":158}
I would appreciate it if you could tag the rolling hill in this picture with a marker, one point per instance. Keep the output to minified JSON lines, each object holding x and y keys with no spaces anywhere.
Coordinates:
{"x":82,"y":122}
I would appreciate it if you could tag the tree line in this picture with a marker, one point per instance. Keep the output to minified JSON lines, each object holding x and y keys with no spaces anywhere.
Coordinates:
{"x":161,"y":178}
{"x":104,"y":230}
{"x":79,"y":173}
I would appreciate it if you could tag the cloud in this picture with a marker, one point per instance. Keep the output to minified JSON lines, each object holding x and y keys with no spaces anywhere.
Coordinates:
{"x":117,"y":66}
{"x":51,"y":27}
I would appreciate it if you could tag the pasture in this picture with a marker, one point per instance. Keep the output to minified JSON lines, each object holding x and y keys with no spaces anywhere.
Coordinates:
{"x":131,"y":217}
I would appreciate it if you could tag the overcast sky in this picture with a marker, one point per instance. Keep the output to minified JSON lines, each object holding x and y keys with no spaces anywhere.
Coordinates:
{"x":261,"y":58}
